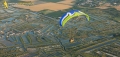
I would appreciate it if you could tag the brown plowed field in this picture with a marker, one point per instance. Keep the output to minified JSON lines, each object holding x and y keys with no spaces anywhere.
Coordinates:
{"x":49,"y":5}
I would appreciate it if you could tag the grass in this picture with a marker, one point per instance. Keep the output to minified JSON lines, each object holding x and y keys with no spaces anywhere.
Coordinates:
{"x":117,"y":19}
{"x":10,"y":52}
{"x":29,"y":39}
{"x":21,"y":40}
{"x":59,"y":13}
{"x":2,"y":45}
{"x":94,"y":11}
{"x":56,"y":14}
{"x":24,"y":27}
{"x":89,"y":55}
{"x":15,"y":39}
{"x":46,"y":11}
{"x":38,"y":39}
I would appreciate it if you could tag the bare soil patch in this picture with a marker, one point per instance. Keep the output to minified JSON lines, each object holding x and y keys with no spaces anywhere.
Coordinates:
{"x":107,"y":5}
{"x":49,"y":5}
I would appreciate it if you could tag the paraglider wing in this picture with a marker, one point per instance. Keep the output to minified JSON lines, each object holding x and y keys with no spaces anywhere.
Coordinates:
{"x":5,"y":4}
{"x":69,"y":15}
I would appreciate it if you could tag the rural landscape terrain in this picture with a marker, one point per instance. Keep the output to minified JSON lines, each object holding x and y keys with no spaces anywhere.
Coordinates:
{"x":30,"y":28}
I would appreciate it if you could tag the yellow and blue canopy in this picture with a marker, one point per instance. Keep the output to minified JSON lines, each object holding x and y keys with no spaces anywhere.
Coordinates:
{"x":69,"y":15}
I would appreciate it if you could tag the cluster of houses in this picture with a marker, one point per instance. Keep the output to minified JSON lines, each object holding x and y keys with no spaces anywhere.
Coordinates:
{"x":92,"y":3}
